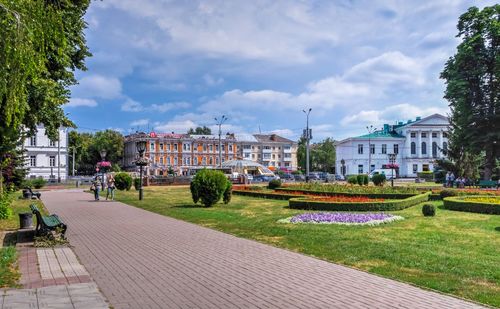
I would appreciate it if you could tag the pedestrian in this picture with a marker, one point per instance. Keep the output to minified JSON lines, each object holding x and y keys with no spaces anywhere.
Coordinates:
{"x":448,"y":177}
{"x":96,"y":185}
{"x":452,"y":179}
{"x":111,"y":187}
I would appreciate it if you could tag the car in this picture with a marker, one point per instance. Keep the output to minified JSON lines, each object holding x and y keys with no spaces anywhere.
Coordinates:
{"x":262,"y":178}
{"x":299,"y":177}
{"x":339,"y":177}
{"x":287,"y":176}
{"x":388,"y":173}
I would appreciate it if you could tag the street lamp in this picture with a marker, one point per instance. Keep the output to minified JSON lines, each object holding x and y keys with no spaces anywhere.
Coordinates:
{"x":103,"y":153}
{"x":141,"y":162}
{"x":342,"y":169}
{"x":370,"y":130}
{"x":219,"y":123}
{"x":392,"y":161}
{"x":307,"y":135}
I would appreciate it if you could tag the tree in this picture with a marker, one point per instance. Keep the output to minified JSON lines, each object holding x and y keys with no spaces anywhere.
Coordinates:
{"x":472,"y":87}
{"x":200,"y":131}
{"x":321,"y":155}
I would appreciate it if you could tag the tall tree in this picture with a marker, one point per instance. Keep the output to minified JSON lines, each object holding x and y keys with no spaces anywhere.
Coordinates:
{"x":322,"y":155}
{"x":472,"y":85}
{"x":200,"y":131}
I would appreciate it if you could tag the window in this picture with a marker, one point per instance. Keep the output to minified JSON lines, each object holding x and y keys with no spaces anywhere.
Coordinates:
{"x":230,"y":147}
{"x":195,"y":160}
{"x":372,"y":167}
{"x":286,"y":147}
{"x":168,"y":147}
{"x":423,"y":135}
{"x":434,"y":149}
{"x":413,"y":148}
{"x":222,"y":147}
{"x":360,"y":148}
{"x":246,"y":147}
{"x":360,"y":169}
{"x":415,"y":168}
{"x":413,"y":134}
{"x":445,"y":134}
{"x":384,"y":148}
{"x":52,"y":143}
{"x":253,"y":155}
{"x":175,"y":148}
{"x":33,"y":141}
{"x":211,"y":161}
{"x":434,"y":134}
{"x":425,"y":167}
{"x":266,"y":156}
{"x":247,"y":155}
{"x":152,"y":147}
{"x":175,"y":160}
{"x":32,"y":160}
{"x":161,"y":147}
{"x":372,"y":148}
{"x":396,"y":148}
{"x":161,"y":160}
{"x":424,"y":148}
{"x":287,"y":155}
{"x":52,"y":161}
{"x":274,"y":156}
{"x":204,"y":147}
{"x":211,"y":148}
{"x":204,"y":161}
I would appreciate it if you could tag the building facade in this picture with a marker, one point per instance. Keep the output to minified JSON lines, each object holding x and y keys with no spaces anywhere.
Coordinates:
{"x":417,"y":144}
{"x":47,"y":158}
{"x":183,"y":152}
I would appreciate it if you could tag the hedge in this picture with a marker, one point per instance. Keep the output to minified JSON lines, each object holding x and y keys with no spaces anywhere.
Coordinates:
{"x":269,"y":195}
{"x":458,"y":203}
{"x":309,"y":204}
{"x":392,"y":196}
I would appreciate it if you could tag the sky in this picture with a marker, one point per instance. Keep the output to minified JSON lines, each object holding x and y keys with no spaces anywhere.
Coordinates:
{"x":167,"y":66}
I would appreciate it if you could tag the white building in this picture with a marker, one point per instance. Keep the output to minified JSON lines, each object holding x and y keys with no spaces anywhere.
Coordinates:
{"x":47,"y":158}
{"x":417,"y":145}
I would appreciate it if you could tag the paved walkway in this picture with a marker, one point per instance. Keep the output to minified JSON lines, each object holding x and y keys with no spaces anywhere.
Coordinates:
{"x":143,"y":260}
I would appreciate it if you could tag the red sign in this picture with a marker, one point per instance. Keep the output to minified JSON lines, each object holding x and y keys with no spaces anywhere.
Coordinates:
{"x":152,"y":134}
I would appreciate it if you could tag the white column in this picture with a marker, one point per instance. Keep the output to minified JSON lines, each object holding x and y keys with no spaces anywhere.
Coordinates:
{"x":440,"y":153}
{"x":429,"y":146}
{"x":408,"y":144}
{"x":419,"y":144}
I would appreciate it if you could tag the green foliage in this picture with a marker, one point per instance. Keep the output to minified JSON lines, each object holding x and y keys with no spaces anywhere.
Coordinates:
{"x":353,"y":179}
{"x":378,"y":179}
{"x":322,"y":155}
{"x":427,"y":175}
{"x":5,"y":210}
{"x":275,"y":183}
{"x":200,"y":131}
{"x":336,"y":188}
{"x":429,"y":210}
{"x":462,"y":204}
{"x":123,"y":181}
{"x":208,"y":186}
{"x":471,"y":78}
{"x":137,"y":183}
{"x":228,"y":193}
{"x":268,"y":195}
{"x":365,"y":180}
{"x":9,"y":274}
{"x":447,"y":192}
{"x":38,"y":183}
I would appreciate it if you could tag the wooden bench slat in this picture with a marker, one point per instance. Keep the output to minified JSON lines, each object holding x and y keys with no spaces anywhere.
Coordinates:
{"x":45,"y":223}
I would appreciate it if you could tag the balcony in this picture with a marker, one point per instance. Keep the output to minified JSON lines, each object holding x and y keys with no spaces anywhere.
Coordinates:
{"x":289,"y":150}
{"x":267,"y":150}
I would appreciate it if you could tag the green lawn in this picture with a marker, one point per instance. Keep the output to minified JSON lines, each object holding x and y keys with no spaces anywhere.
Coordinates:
{"x":454,"y":252}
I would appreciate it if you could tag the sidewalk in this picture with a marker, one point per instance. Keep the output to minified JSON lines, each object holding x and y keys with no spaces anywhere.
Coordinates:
{"x":143,"y":260}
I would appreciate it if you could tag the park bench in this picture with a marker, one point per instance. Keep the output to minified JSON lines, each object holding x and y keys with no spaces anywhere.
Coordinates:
{"x":28,"y":193}
{"x":45,"y":224}
{"x":487,"y":184}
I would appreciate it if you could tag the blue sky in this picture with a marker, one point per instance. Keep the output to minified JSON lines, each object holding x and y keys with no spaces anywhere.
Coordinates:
{"x":172,"y":65}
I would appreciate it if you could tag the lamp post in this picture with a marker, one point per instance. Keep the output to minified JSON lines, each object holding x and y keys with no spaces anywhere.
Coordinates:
{"x":141,"y":162}
{"x":307,"y":135}
{"x":219,"y":123}
{"x":342,"y":163}
{"x":392,"y":161}
{"x":103,"y":153}
{"x":370,"y":130}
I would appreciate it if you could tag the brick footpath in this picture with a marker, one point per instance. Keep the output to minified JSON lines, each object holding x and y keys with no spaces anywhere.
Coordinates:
{"x":143,"y":260}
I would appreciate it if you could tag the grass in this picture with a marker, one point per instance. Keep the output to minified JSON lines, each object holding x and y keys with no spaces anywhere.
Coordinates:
{"x":9,"y":274}
{"x":454,"y":252}
{"x":18,"y":206}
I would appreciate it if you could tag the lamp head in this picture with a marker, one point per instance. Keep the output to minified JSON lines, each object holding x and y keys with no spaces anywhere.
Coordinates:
{"x":141,"y":146}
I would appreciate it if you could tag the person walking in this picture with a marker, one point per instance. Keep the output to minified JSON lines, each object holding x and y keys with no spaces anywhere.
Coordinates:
{"x":111,"y":187}
{"x":97,"y":185}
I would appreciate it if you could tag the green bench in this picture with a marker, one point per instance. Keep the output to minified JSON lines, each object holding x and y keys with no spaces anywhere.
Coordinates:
{"x":487,"y":184}
{"x":45,"y":224}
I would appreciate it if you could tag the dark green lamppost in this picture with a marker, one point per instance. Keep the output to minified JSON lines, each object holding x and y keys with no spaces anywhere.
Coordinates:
{"x":141,"y":162}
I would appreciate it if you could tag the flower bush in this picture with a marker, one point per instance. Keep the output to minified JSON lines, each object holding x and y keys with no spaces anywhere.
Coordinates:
{"x":342,"y":218}
{"x":352,"y":189}
{"x":483,"y":199}
{"x":348,"y":199}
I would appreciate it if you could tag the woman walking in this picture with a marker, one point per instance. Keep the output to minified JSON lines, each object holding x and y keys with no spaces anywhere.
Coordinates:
{"x":111,"y":187}
{"x":96,"y":184}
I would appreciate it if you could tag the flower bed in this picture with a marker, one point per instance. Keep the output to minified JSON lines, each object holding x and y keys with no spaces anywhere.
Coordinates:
{"x":266,"y":194}
{"x":367,"y":194}
{"x":478,"y":204}
{"x":342,"y":218}
{"x":351,"y":189}
{"x":349,"y":199}
{"x":312,"y":203}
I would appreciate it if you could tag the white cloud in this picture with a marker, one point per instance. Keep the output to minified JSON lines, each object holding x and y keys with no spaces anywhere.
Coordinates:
{"x":175,"y":126}
{"x":139,"y":122}
{"x":165,"y":107}
{"x":75,"y":102}
{"x":98,"y":86}
{"x":212,"y":81}
{"x":132,"y":106}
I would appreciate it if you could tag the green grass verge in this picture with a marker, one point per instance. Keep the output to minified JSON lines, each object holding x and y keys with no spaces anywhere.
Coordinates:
{"x":19,"y":206}
{"x":453,"y":252}
{"x":461,"y":203}
{"x":9,"y":274}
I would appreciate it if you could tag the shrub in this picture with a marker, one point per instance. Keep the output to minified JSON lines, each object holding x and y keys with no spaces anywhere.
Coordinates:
{"x":227,"y":193}
{"x":379,"y":179}
{"x":38,"y":183}
{"x":365,"y":180}
{"x":209,"y":186}
{"x":471,"y":205}
{"x":429,"y":210}
{"x":123,"y":181}
{"x":273,"y":184}
{"x":447,"y":192}
{"x":137,"y":183}
{"x":360,"y":179}
{"x":352,"y":179}
{"x":5,"y":210}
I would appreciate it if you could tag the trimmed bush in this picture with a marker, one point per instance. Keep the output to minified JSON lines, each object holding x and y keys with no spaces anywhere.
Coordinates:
{"x":379,"y":179}
{"x":38,"y":183}
{"x":268,"y":195}
{"x":228,"y":193}
{"x":353,"y":179}
{"x":392,"y":196}
{"x":447,"y":193}
{"x":429,"y":210}
{"x":366,"y":180}
{"x":462,"y":204}
{"x":123,"y":181}
{"x":275,"y":183}
{"x":137,"y":183}
{"x":310,"y":204}
{"x":360,"y":179}
{"x":209,"y":186}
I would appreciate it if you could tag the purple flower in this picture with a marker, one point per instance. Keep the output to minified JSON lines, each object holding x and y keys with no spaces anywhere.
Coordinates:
{"x":344,"y":218}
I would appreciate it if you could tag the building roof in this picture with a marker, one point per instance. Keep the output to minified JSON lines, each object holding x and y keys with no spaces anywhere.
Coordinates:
{"x":271,"y":138}
{"x":381,"y":134}
{"x":242,"y":137}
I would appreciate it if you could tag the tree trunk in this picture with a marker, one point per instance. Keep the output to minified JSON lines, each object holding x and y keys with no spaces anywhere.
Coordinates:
{"x":489,"y":163}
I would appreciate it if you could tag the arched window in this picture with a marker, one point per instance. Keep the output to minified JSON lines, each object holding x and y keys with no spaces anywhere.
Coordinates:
{"x":434,"y":149}
{"x":413,"y":148}
{"x":424,"y":148}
